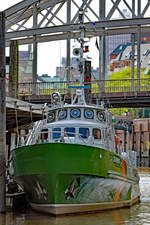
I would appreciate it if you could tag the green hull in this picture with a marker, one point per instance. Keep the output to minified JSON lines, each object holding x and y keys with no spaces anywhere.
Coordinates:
{"x":69,"y":176}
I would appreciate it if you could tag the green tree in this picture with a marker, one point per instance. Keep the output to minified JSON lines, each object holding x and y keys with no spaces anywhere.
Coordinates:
{"x":126,"y":73}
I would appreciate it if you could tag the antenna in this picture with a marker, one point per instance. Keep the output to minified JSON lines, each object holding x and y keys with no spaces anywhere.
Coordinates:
{"x":82,"y":65}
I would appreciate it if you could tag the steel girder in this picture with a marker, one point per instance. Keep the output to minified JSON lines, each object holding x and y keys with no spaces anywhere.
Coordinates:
{"x":48,"y":19}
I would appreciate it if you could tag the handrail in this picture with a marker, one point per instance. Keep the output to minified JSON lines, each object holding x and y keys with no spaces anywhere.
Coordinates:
{"x":30,"y":138}
{"x":33,"y":136}
{"x":129,"y":156}
{"x":97,"y":86}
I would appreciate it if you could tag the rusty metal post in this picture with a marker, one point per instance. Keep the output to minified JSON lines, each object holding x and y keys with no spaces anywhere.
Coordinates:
{"x":138,"y":56}
{"x":149,"y":145}
{"x":125,"y":140}
{"x":132,"y":60}
{"x":68,"y":72}
{"x":35,"y":51}
{"x":133,"y":139}
{"x":140,"y":150}
{"x":2,"y":114}
{"x":102,"y":48}
{"x":13,"y":70}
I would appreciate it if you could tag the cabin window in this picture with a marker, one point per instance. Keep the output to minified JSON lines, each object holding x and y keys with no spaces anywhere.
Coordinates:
{"x":62,"y":114}
{"x":89,"y":114}
{"x":84,"y":132}
{"x":97,"y":133}
{"x":56,"y":133}
{"x":69,"y":132}
{"x":44,"y":135}
{"x":75,"y":113}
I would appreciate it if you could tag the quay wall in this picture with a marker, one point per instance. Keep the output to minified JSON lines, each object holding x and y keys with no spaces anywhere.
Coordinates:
{"x":138,"y":140}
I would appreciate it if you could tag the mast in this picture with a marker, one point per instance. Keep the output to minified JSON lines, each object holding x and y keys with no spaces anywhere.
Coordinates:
{"x":84,"y":65}
{"x":82,"y":92}
{"x":80,"y":95}
{"x":81,"y":41}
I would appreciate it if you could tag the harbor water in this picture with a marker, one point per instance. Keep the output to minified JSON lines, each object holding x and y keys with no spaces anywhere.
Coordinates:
{"x":138,"y":214}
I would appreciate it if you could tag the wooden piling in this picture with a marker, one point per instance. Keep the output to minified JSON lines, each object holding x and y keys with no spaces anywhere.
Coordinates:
{"x":140,"y":150}
{"x":149,"y":145}
{"x":2,"y":114}
{"x":13,"y":70}
{"x":125,"y":140}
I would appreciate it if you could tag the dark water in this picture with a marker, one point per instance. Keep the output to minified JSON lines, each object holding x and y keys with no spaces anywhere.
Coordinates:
{"x":136,"y":215}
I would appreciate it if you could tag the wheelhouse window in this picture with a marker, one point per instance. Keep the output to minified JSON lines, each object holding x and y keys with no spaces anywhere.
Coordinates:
{"x":62,"y":114}
{"x":44,"y":135}
{"x":69,"y":132}
{"x":56,"y":133}
{"x":84,"y":132}
{"x":96,"y":133}
{"x":75,"y":113}
{"x":89,"y":114}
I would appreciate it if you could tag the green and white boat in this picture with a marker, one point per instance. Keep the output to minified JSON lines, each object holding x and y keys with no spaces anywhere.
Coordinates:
{"x":71,"y":161}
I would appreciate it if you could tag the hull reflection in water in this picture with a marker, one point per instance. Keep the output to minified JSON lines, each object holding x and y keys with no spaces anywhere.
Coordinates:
{"x":136,"y":215}
{"x":144,"y":184}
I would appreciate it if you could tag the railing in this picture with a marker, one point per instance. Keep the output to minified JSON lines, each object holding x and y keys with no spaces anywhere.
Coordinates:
{"x":97,"y":86}
{"x":34,"y":137}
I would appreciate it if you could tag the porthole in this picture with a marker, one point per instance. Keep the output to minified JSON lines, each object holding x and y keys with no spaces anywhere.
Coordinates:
{"x":89,"y":114}
{"x":50,"y":117}
{"x":62,"y":114}
{"x":75,"y":113}
{"x":101,"y":116}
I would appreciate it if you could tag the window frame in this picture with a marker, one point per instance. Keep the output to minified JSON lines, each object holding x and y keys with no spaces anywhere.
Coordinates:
{"x":56,"y":132}
{"x":95,"y":136}
{"x":81,"y":134}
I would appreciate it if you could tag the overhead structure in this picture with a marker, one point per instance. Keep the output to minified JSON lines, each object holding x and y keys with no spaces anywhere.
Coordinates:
{"x":51,"y":19}
{"x":35,"y":21}
{"x":20,"y":113}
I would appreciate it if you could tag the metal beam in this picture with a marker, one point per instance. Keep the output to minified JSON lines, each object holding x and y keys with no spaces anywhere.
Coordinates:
{"x":34,"y":62}
{"x":88,"y":7}
{"x":21,"y":5}
{"x":76,"y":27}
{"x":139,"y":8}
{"x":111,"y":12}
{"x":68,"y":64}
{"x":16,"y":17}
{"x":132,"y":10}
{"x":75,"y":18}
{"x":120,"y":12}
{"x":74,"y":35}
{"x":46,"y":15}
{"x":146,"y":8}
{"x":54,"y":14}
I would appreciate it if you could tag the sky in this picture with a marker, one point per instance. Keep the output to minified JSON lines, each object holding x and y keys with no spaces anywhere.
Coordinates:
{"x":50,"y":53}
{"x":7,"y":3}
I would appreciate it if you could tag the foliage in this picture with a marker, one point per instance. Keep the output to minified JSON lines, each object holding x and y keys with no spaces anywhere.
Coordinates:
{"x":126,"y":73}
{"x":119,"y":111}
